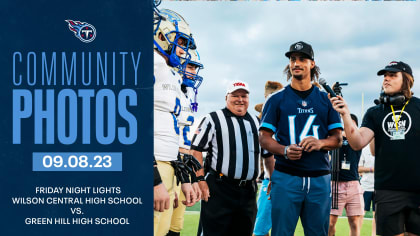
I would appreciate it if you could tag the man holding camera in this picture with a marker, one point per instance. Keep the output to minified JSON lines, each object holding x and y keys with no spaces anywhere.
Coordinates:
{"x":395,"y":125}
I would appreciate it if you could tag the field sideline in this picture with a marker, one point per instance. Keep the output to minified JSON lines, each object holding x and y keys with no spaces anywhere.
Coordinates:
{"x":191,"y":225}
{"x":192,"y":216}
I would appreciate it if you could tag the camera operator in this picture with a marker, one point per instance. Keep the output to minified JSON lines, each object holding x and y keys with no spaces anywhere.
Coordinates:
{"x":395,"y":125}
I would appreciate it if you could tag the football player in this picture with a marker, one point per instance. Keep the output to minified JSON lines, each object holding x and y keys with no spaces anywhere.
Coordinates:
{"x":172,"y":40}
{"x":190,"y":83}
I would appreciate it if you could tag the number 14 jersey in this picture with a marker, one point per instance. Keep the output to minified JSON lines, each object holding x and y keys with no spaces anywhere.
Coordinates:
{"x":292,"y":119}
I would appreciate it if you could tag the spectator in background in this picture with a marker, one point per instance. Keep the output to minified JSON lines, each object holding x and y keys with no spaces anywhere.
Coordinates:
{"x":263,"y":220}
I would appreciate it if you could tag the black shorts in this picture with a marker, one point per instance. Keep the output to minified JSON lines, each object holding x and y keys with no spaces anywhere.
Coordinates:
{"x":369,"y":198}
{"x":396,"y":210}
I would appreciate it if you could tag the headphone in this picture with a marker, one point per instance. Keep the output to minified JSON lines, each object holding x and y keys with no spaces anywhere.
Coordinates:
{"x":395,"y":100}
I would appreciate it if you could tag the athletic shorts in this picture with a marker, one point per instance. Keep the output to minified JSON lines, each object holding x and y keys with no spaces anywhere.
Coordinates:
{"x":369,"y":200}
{"x":396,"y":210}
{"x":305,"y":197}
{"x":350,"y":197}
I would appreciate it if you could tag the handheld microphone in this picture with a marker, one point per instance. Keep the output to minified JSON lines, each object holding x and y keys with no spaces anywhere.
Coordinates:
{"x":326,"y":87}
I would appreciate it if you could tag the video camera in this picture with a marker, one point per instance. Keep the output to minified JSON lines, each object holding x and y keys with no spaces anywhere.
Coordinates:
{"x":337,"y":88}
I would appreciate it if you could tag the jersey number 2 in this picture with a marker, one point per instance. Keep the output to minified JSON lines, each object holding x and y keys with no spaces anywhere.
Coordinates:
{"x":175,"y":114}
{"x":186,"y":129}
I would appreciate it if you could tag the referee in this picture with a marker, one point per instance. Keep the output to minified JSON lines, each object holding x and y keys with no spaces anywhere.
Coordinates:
{"x":230,"y":138}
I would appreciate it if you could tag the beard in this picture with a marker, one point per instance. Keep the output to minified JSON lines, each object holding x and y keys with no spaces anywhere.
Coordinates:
{"x":298,"y":77}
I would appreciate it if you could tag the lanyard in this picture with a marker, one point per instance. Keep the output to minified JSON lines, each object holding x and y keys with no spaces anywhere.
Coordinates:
{"x":399,"y":117}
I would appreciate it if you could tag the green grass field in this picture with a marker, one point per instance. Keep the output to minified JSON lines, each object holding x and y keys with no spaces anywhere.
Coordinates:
{"x":342,"y":227}
{"x":192,"y":216}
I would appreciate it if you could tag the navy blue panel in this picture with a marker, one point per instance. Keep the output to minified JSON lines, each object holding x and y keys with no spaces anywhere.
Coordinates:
{"x":31,"y":29}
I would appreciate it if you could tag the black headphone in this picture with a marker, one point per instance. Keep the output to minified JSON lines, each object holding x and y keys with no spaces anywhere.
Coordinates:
{"x":395,"y":100}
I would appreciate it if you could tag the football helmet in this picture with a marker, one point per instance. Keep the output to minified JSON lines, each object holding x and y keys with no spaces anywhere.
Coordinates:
{"x":190,"y":79}
{"x":172,"y":31}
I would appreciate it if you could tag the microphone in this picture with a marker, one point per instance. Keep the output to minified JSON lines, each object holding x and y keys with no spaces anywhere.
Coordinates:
{"x":326,"y":87}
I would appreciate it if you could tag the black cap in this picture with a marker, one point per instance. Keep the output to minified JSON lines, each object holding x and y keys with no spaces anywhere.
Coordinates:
{"x":395,"y":66}
{"x":301,"y":47}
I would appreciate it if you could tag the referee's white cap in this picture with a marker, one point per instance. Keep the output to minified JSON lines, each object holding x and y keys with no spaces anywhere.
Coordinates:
{"x":237,"y":84}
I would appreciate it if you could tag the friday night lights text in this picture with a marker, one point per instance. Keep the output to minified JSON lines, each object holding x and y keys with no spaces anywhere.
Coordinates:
{"x":48,"y":98}
{"x":77,"y":190}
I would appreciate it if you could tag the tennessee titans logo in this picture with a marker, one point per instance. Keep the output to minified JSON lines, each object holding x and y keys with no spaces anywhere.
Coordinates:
{"x":298,"y":46}
{"x":82,"y":30}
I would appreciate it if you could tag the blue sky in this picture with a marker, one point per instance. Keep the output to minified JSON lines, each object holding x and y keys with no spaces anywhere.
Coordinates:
{"x":351,"y":42}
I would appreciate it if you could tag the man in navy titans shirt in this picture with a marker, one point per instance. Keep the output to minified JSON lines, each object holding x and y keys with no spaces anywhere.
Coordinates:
{"x":305,"y":126}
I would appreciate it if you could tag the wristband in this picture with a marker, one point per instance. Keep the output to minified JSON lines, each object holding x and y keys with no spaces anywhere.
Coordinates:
{"x":200,"y":178}
{"x":156,"y":176}
{"x":285,"y":152}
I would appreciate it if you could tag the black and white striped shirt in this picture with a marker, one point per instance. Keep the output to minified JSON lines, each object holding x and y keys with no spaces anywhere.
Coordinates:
{"x":231,"y":142}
